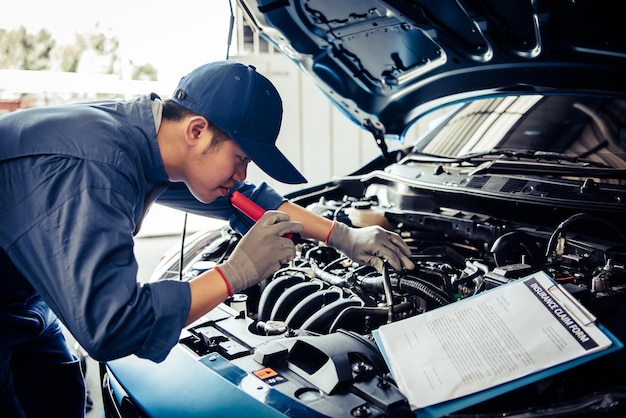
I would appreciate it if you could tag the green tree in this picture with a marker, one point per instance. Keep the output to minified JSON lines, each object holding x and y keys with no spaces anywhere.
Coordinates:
{"x":96,"y":51}
{"x":20,"y":50}
{"x":106,"y":48}
{"x":67,"y":57}
{"x":145,"y":72}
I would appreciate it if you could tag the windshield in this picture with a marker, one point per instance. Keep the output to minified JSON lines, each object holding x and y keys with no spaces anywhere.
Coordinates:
{"x":551,"y":129}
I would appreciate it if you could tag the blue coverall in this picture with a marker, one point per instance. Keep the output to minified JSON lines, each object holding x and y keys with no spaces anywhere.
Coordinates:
{"x":75,"y":183}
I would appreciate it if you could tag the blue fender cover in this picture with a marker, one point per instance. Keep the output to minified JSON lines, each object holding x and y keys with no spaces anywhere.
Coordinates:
{"x":183,"y":385}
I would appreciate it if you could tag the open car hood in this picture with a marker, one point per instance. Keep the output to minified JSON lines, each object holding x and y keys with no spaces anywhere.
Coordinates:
{"x":385,"y":63}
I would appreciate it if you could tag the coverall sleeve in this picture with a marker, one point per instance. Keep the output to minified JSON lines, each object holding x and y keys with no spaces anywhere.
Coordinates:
{"x":79,"y":257}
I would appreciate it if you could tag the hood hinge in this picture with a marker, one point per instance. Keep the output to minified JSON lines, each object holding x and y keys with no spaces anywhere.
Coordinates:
{"x":379,"y":137}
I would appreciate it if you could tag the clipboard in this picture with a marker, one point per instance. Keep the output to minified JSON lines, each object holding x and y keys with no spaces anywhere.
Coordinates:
{"x":551,"y":295}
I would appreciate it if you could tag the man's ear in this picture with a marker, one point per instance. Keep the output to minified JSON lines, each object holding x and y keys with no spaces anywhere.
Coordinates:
{"x":194,"y":128}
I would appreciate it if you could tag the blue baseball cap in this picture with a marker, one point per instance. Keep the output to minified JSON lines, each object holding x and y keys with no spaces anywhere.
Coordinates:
{"x":244,"y":104}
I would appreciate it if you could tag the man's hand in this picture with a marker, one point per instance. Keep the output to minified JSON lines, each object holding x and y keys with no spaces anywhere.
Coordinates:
{"x":261,"y":251}
{"x":371,"y":245}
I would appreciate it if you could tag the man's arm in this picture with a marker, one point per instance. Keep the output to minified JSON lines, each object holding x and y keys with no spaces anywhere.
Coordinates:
{"x":208,"y":290}
{"x":370,"y":245}
{"x":315,"y":226}
{"x":261,"y":252}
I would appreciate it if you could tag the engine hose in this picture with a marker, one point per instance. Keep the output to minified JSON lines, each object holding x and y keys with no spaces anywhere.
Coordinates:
{"x":417,"y":286}
{"x":375,"y":284}
{"x":371,"y":284}
{"x":560,"y":230}
{"x":330,"y":278}
{"x":474,"y":272}
{"x":438,"y":274}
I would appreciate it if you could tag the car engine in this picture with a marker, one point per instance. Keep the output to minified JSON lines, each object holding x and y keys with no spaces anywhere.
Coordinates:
{"x":309,"y":326}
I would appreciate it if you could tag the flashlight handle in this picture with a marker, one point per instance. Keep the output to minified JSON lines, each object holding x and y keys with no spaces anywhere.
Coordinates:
{"x":249,"y":208}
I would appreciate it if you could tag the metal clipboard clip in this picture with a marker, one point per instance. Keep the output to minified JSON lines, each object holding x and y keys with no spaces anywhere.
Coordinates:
{"x":572,"y":305}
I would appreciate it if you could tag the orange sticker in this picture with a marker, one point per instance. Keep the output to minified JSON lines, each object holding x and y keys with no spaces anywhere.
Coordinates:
{"x":265,"y":373}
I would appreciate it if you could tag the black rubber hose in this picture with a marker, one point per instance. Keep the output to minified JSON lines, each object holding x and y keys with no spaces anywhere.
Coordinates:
{"x":560,"y":230}
{"x":371,"y":284}
{"x":417,"y":286}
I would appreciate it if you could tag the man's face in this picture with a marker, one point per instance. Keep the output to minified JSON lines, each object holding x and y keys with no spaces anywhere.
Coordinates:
{"x":213,"y":170}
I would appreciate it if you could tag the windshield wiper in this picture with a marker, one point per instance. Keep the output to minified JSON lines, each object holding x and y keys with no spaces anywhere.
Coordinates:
{"x":542,"y":168}
{"x":538,"y":156}
{"x":507,"y":154}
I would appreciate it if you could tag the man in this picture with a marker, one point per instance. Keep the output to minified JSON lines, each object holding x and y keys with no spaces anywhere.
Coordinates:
{"x":76,"y":181}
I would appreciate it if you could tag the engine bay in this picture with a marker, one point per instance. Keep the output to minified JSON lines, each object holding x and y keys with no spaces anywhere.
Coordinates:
{"x":306,"y":332}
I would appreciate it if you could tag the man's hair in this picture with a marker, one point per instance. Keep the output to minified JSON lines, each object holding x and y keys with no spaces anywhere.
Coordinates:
{"x":174,"y":112}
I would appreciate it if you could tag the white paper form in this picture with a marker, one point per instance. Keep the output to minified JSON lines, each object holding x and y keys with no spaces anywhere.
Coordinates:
{"x":495,"y":337}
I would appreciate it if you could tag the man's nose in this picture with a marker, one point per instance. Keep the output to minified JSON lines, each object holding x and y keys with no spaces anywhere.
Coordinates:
{"x":241,"y":172}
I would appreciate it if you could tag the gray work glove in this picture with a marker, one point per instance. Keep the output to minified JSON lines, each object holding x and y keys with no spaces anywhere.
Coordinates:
{"x":261,"y":251}
{"x":371,"y":245}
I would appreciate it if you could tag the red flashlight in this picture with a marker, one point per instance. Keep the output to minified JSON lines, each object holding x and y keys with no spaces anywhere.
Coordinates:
{"x":249,"y":208}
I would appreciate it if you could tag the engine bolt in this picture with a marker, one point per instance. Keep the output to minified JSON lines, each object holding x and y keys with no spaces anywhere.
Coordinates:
{"x":359,"y":367}
{"x":361,"y":411}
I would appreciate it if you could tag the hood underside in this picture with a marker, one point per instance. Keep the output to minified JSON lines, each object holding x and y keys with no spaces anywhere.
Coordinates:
{"x":385,"y":63}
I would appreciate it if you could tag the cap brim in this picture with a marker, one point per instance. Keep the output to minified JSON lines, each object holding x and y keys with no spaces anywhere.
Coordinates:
{"x":269,"y":159}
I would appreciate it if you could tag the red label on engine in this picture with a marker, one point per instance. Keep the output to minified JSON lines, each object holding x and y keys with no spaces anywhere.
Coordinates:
{"x":269,"y":376}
